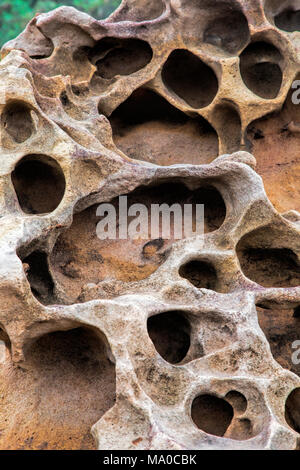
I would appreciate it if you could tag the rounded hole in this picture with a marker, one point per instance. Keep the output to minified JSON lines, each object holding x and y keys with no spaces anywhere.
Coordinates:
{"x":269,"y":267}
{"x":80,"y":257}
{"x":266,"y":264}
{"x":260,"y":69}
{"x":297,"y":312}
{"x":170,"y":333}
{"x":147,"y":127}
{"x":17,"y":121}
{"x":281,"y":327}
{"x":211,"y":414}
{"x":114,"y":56}
{"x":292,"y":410}
{"x":39,"y":183}
{"x":228,"y":31}
{"x":214,"y":207}
{"x":67,"y":384}
{"x":237,"y":401}
{"x":37,"y":272}
{"x":288,"y":19}
{"x":200,"y":273}
{"x":190,"y":78}
{"x":227,"y":122}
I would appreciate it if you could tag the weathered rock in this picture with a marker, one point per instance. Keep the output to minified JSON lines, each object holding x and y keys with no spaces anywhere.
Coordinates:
{"x":160,"y":344}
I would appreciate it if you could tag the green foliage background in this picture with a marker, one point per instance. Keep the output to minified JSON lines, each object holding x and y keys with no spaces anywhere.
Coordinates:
{"x":15,"y":14}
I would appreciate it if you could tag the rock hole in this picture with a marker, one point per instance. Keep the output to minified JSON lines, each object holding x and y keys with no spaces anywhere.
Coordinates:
{"x":114,"y":56}
{"x":39,"y":183}
{"x":292,"y":410}
{"x":237,"y":401}
{"x":277,"y":267}
{"x":214,"y":207}
{"x":228,"y":31}
{"x":140,"y":10}
{"x":5,"y":346}
{"x":66,"y":385}
{"x":227,"y":122}
{"x":190,"y":78}
{"x":37,"y":272}
{"x":64,"y":98}
{"x":297,"y":312}
{"x":201,"y":274}
{"x":275,"y":142}
{"x":170,"y":333}
{"x":17,"y":121}
{"x":146,"y":127}
{"x":211,"y":414}
{"x":281,"y":328}
{"x":80,"y":259}
{"x":288,"y":20}
{"x":260,"y":69}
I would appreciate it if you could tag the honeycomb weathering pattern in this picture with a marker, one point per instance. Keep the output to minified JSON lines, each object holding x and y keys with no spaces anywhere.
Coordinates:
{"x":160,"y":345}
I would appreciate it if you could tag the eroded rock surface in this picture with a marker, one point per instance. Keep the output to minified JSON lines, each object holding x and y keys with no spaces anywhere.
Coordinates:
{"x":165,"y":343}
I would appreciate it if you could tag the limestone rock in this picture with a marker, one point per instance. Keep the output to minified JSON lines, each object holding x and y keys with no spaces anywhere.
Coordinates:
{"x":155,"y":344}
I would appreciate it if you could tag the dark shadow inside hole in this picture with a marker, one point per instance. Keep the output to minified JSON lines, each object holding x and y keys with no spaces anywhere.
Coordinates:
{"x":190,"y":78}
{"x":288,"y":20}
{"x":201,"y":274}
{"x":260,"y":69}
{"x":66,"y":387}
{"x":17,"y":121}
{"x":292,"y":410}
{"x":170,"y":334}
{"x":147,"y":127}
{"x":212,"y":414}
{"x":5,"y":338}
{"x":229,"y":31}
{"x":228,"y":125}
{"x":297,"y":312}
{"x":277,"y":267}
{"x":237,"y":401}
{"x":38,"y":275}
{"x":39,"y":183}
{"x":281,"y":328}
{"x":214,"y":207}
{"x":64,"y":98}
{"x":114,"y":56}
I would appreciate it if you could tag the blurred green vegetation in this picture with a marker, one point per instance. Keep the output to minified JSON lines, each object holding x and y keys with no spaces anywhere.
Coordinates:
{"x":15,"y":14}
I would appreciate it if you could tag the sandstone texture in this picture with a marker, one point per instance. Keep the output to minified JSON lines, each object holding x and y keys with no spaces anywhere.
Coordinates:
{"x":151,"y":344}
